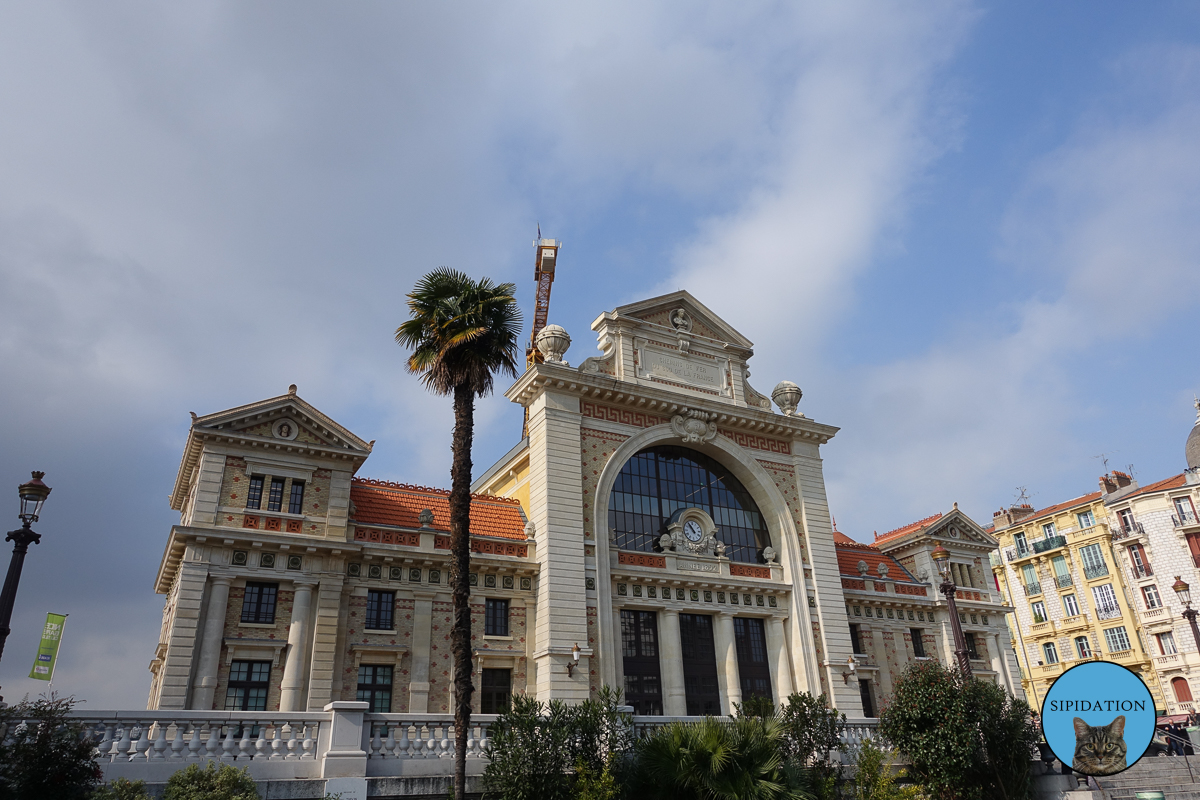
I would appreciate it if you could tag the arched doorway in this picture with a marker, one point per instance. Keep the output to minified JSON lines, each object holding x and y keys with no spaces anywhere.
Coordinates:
{"x":1183,"y":692}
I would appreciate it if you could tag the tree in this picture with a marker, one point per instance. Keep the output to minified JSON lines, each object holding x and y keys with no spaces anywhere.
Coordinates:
{"x":966,"y":738}
{"x":460,"y":333}
{"x":210,"y":783}
{"x":45,"y":755}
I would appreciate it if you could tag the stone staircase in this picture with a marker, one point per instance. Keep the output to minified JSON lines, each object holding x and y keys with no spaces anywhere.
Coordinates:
{"x":1167,"y":774}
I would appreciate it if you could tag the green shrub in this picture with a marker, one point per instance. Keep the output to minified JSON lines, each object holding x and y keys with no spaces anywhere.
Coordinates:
{"x":875,"y":778}
{"x":541,"y":751}
{"x":44,"y":755}
{"x":966,"y":738}
{"x":211,"y":783}
{"x":122,"y":789}
{"x":810,"y":732}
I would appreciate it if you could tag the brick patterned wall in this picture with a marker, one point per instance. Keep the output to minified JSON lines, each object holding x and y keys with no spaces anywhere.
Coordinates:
{"x":820,"y":643}
{"x":516,"y":645}
{"x":234,"y":630}
{"x":402,"y":615}
{"x":597,"y":448}
{"x":235,"y":484}
{"x":593,"y":641}
{"x":785,"y":481}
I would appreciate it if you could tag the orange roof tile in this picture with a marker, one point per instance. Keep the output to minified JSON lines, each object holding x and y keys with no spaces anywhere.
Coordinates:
{"x":850,"y":552}
{"x":400,"y":504}
{"x":1174,"y":482}
{"x":1054,"y":509}
{"x":909,"y":528}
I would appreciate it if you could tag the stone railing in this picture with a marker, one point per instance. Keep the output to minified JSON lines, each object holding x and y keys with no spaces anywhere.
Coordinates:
{"x":342,"y":742}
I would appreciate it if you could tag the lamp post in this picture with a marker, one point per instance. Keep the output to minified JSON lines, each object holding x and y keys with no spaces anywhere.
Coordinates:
{"x":1189,"y":613}
{"x":33,"y":495}
{"x":941,"y":557}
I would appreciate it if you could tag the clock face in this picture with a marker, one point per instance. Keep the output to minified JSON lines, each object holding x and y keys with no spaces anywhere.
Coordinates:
{"x":692,"y":531}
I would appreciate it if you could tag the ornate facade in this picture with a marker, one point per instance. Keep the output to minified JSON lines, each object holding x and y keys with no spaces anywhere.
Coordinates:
{"x":661,"y":529}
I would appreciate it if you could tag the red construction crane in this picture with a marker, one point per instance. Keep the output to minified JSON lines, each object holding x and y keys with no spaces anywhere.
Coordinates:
{"x":545,"y":257}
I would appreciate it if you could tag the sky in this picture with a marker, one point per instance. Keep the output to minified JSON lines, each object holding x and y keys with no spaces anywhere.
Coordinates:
{"x":967,"y":230}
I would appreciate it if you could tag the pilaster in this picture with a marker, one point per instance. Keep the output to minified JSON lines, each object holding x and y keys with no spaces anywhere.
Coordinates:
{"x":418,"y":687}
{"x":671,"y":664}
{"x":180,"y":658}
{"x":294,"y":673}
{"x":777,"y":655}
{"x":728,"y":680}
{"x":326,"y":639}
{"x":210,"y":646}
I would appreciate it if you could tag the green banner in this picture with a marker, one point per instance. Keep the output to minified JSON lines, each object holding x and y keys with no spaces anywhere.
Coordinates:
{"x":43,"y":667}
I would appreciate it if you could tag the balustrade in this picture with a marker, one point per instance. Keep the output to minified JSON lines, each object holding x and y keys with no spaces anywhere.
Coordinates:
{"x":404,"y":736}
{"x":1096,"y":571}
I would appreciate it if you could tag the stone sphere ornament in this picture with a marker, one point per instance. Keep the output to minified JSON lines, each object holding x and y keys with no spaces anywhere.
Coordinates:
{"x":787,"y":396}
{"x":552,"y":342}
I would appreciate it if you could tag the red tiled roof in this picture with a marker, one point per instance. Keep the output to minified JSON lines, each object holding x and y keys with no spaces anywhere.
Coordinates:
{"x":400,"y":504}
{"x":1174,"y":482}
{"x":911,"y":527}
{"x":1054,"y":509}
{"x":850,"y":552}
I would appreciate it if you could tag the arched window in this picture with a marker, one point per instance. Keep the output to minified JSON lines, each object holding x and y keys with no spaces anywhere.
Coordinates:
{"x":1183,"y":692}
{"x":659,"y":481}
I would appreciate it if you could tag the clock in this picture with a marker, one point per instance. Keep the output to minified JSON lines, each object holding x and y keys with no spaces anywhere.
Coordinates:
{"x":691,"y":530}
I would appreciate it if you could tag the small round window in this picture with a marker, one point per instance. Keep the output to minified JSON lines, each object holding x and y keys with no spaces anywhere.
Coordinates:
{"x":659,"y":481}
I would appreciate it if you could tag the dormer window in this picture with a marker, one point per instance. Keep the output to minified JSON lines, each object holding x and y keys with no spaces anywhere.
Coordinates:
{"x":296,"y":499}
{"x":275,"y":498}
{"x":254,"y":497}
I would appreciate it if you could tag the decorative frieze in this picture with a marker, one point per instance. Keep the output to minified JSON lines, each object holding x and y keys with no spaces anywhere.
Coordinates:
{"x":642,"y":560}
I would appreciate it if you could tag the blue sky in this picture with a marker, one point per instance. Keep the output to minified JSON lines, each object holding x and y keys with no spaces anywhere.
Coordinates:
{"x":967,"y":230}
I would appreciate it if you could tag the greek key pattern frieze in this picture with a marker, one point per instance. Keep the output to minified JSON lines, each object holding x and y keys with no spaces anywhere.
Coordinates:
{"x":624,"y":416}
{"x":757,"y":442}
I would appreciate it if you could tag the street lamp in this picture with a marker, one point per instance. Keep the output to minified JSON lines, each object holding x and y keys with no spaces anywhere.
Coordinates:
{"x":33,"y":494}
{"x":1189,"y":613}
{"x":941,"y":557}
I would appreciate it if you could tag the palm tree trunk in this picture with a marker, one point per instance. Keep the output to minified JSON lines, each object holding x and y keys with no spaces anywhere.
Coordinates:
{"x":460,"y":568}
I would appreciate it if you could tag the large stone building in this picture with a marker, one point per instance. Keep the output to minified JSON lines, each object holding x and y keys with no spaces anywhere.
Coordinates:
{"x":661,"y":528}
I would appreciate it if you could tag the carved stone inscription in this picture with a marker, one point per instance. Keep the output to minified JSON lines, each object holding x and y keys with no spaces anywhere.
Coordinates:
{"x":682,"y":370}
{"x":697,"y":566}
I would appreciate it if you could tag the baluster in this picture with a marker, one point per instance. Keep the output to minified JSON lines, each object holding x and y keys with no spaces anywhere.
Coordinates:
{"x":485,"y":739}
{"x":229,"y":744}
{"x":262,"y":745}
{"x":309,"y":730}
{"x":447,"y":741}
{"x":246,"y":745}
{"x":403,"y":749}
{"x":142,"y":744}
{"x":470,"y":741}
{"x":194,"y":743}
{"x":277,"y":742}
{"x":375,"y":745}
{"x":177,"y":743}
{"x":104,"y":746}
{"x":426,"y":732}
{"x":123,"y":746}
{"x":213,"y":743}
{"x":161,"y":743}
{"x":292,"y":745}
{"x":389,"y":747}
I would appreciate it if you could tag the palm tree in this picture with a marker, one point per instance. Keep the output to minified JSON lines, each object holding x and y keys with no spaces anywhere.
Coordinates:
{"x":461,"y":332}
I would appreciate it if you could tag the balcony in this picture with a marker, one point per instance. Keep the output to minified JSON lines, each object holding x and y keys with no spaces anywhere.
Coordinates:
{"x":1108,"y":612}
{"x":1143,"y":571}
{"x":1098,"y":571}
{"x":1151,"y":613}
{"x":1184,"y":520}
{"x":1125,"y":531}
{"x":1017,"y":553}
{"x":1049,"y":543}
{"x":1077,"y":622}
{"x":1033,"y":588}
{"x":1063,"y":581}
{"x":1041,"y":628}
{"x":994,"y":557}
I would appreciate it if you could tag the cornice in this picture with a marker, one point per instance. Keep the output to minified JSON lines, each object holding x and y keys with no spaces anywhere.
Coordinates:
{"x":607,"y":389}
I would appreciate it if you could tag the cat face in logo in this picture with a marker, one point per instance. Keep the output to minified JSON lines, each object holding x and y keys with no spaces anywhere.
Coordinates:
{"x":1099,"y":749}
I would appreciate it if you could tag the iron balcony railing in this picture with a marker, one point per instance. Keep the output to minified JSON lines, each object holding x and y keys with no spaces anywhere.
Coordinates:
{"x":1098,"y":571}
{"x":1049,"y":543}
{"x":1128,"y":529}
{"x":1062,"y":581}
{"x":1187,"y":518}
{"x":1017,"y":553}
{"x":1033,"y":588}
{"x":994,"y":557}
{"x":1143,"y":571}
{"x":1108,"y":612}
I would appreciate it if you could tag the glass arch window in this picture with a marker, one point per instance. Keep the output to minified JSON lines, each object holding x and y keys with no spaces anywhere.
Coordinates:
{"x":659,"y":481}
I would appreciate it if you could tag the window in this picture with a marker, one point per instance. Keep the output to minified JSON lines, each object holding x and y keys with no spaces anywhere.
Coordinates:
{"x":918,"y":643}
{"x":639,"y":648}
{"x":1183,"y":692}
{"x":699,"y":656}
{"x":1050,"y":652}
{"x":495,"y":621}
{"x":1039,"y":611}
{"x":1127,"y":523}
{"x":868,"y":703}
{"x":1086,"y":520}
{"x":657,"y":482}
{"x":1150,"y":595}
{"x":1186,"y":511}
{"x":254,"y":497}
{"x":1141,"y":565}
{"x":1019,"y":541}
{"x":1083,"y":647}
{"x":856,"y":640}
{"x":248,"y":685}
{"x":380,"y":607}
{"x":755,"y":673}
{"x":275,"y":497}
{"x":972,"y":651}
{"x":296,"y":499}
{"x":1048,"y":530}
{"x":1093,"y":561}
{"x":1030,"y":575}
{"x":258,"y":605}
{"x":1106,"y":601}
{"x":1116,"y":639}
{"x":1071,"y":605}
{"x":1166,"y":643}
{"x":375,"y":687}
{"x":496,"y":692}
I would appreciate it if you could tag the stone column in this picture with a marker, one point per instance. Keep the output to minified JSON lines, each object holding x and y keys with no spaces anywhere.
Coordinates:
{"x":294,"y":670}
{"x":670,"y":662}
{"x":1000,"y":664}
{"x":418,"y":687}
{"x":781,"y":675}
{"x":881,"y":661}
{"x":728,"y":679}
{"x":210,"y":643}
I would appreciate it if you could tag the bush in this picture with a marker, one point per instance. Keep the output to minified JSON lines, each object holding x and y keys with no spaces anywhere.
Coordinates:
{"x":211,"y":783}
{"x":966,"y":738}
{"x":122,"y":789}
{"x":874,"y":778}
{"x":43,"y":754}
{"x":810,"y":731}
{"x":550,"y":751}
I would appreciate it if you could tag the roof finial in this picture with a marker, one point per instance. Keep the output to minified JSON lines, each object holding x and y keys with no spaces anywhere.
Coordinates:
{"x":956,"y":505}
{"x":834,"y":519}
{"x":292,"y":389}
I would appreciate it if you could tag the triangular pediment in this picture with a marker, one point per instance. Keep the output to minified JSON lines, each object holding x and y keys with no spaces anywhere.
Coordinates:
{"x":957,"y":526}
{"x":696,"y":319}
{"x":287,"y":418}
